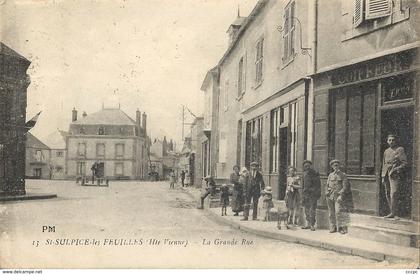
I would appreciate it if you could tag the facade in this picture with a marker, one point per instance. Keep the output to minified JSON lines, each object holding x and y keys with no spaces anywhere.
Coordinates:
{"x":37,"y":159}
{"x":198,"y":138}
{"x":264,"y":103}
{"x":58,"y":151}
{"x":366,"y":87}
{"x":163,"y":159}
{"x":209,"y":149}
{"x":13,"y":87}
{"x":110,"y":138}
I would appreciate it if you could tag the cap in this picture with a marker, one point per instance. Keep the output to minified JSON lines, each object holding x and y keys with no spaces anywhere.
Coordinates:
{"x":307,"y":161}
{"x":254,"y":164}
{"x":334,"y":161}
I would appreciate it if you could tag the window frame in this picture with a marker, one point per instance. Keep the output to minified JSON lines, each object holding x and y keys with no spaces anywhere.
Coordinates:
{"x":259,"y":61}
{"x":97,"y":150}
{"x":116,"y":150}
{"x":289,"y":32}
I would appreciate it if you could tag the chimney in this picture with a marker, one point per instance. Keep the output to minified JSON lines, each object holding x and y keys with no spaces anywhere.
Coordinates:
{"x":144,"y":125}
{"x":74,"y":115}
{"x":138,"y":122}
{"x":84,"y":114}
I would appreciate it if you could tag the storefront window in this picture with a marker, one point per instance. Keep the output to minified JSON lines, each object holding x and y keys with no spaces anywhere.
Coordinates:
{"x":254,"y":141}
{"x":352,"y":138}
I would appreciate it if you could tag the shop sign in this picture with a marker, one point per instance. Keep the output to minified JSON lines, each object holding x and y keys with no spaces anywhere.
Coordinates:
{"x":397,"y":89}
{"x":375,"y":68}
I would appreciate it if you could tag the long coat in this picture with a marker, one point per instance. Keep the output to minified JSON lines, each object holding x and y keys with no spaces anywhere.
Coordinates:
{"x":311,"y":184}
{"x":256,"y":183}
{"x":237,"y":203}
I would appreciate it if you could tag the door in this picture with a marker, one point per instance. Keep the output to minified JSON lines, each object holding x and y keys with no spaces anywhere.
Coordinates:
{"x":398,"y":121}
{"x":283,"y":161}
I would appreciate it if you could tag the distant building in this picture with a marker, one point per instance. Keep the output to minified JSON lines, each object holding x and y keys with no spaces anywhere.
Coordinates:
{"x":112,"y":139}
{"x":37,"y":159}
{"x":13,"y":85}
{"x":163,"y":159}
{"x":57,"y":144}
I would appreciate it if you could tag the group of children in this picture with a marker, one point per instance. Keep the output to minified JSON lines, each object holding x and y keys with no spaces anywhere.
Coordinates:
{"x":265,"y":202}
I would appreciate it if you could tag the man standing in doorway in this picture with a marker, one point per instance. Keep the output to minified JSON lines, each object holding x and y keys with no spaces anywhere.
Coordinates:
{"x":182,"y":178}
{"x":393,"y":165}
{"x":310,"y":194}
{"x":253,"y":191}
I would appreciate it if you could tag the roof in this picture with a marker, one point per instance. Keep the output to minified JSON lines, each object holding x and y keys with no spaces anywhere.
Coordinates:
{"x":5,"y":50}
{"x":238,"y":22}
{"x":211,"y":73}
{"x":106,"y":116}
{"x":55,"y":140}
{"x":257,"y":9}
{"x":34,"y":142}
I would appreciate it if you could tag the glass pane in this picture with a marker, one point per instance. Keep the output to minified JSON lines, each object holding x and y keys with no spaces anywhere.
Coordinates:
{"x":354,"y":130}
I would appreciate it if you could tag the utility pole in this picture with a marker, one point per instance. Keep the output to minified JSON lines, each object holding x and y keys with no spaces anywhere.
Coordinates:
{"x":183,"y":121}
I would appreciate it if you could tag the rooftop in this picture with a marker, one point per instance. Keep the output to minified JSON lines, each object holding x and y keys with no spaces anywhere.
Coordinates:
{"x":106,"y":116}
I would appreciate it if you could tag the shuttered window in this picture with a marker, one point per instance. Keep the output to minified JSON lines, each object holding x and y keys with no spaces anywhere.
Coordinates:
{"x":377,"y":8}
{"x":259,"y":61}
{"x":289,"y":31}
{"x":358,"y":12}
{"x":241,"y":77}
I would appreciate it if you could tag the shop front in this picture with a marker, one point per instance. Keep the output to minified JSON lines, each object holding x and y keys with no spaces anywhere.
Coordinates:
{"x":356,"y":108}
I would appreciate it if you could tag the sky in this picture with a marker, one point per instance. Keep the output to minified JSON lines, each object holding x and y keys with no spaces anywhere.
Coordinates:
{"x":139,"y":54}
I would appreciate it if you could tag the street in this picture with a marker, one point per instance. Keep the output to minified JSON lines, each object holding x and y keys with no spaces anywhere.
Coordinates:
{"x":138,"y":224}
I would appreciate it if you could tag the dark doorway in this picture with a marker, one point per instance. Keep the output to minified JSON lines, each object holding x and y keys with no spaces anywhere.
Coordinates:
{"x":283,"y":161}
{"x":398,"y":121}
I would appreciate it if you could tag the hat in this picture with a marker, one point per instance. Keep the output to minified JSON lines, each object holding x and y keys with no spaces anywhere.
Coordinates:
{"x":307,"y":161}
{"x":267,"y":190}
{"x":254,"y":164}
{"x":244,"y":169}
{"x":334,"y":161}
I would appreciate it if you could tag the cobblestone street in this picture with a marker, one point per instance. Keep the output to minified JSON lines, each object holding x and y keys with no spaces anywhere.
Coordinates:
{"x":138,"y":224}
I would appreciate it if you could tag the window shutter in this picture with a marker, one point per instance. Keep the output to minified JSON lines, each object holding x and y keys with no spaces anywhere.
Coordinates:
{"x":377,"y":8}
{"x":358,"y":12}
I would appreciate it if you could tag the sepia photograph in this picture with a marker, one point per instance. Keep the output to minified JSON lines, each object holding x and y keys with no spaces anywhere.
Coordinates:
{"x":209,"y":134}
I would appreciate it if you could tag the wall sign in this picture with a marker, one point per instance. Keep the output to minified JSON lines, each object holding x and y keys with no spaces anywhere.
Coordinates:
{"x":397,"y":88}
{"x":378,"y":67}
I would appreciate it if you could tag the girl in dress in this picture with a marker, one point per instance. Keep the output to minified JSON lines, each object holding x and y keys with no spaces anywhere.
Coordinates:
{"x":224,"y":198}
{"x":292,"y":197}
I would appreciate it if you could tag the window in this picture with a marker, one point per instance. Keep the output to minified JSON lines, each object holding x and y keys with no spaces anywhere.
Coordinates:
{"x":101,"y":131}
{"x":274,"y":145}
{"x":289,"y":32}
{"x":353,"y":129}
{"x":241,"y":77}
{"x":81,"y":149}
{"x":253,"y":152}
{"x":226,"y":96}
{"x":370,"y":9}
{"x":38,"y":156}
{"x":100,"y":150}
{"x":58,"y":169}
{"x":119,"y":169}
{"x":81,"y":168}
{"x":259,"y":61}
{"x":82,"y":130}
{"x":59,"y":154}
{"x":119,"y":150}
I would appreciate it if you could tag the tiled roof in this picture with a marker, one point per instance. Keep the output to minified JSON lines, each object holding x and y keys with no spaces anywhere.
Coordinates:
{"x":5,"y":50}
{"x":106,"y":116}
{"x":33,"y":142}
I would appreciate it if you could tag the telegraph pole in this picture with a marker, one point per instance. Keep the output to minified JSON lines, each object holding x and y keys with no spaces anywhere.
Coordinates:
{"x":183,"y":121}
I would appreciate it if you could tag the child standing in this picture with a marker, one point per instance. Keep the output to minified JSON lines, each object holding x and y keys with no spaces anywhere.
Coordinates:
{"x":292,"y":197}
{"x":224,"y":198}
{"x":267,"y":203}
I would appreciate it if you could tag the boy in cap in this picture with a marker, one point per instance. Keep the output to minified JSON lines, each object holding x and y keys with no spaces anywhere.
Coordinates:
{"x":253,"y":191}
{"x":337,"y":194}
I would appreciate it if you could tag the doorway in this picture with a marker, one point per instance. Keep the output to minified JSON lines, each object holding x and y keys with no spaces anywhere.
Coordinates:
{"x":398,"y":121}
{"x":283,"y":161}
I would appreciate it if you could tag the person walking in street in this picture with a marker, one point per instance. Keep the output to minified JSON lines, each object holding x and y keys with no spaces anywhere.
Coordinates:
{"x":292,"y":197}
{"x":311,"y":193}
{"x":209,"y":189}
{"x":339,"y":199}
{"x":172,"y":178}
{"x":224,"y":198}
{"x":182,"y":178}
{"x":253,"y":191}
{"x":237,"y":195}
{"x":393,"y":166}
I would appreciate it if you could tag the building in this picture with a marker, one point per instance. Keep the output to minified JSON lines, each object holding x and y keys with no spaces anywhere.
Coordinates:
{"x":264,"y":100}
{"x":210,"y":145}
{"x":112,"y":139}
{"x":37,"y":159}
{"x":163,"y":158}
{"x":58,"y":151}
{"x":14,"y":82}
{"x":366,"y":87}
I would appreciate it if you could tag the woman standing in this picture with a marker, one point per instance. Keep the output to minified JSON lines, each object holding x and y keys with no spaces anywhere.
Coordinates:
{"x":237,"y":195}
{"x":292,"y":197}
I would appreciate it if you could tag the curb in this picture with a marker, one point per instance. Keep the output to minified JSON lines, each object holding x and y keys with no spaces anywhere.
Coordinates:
{"x":27,"y":197}
{"x":365,"y":253}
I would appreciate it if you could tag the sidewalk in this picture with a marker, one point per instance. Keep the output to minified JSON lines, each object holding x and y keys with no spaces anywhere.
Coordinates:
{"x":319,"y":238}
{"x":27,"y":196}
